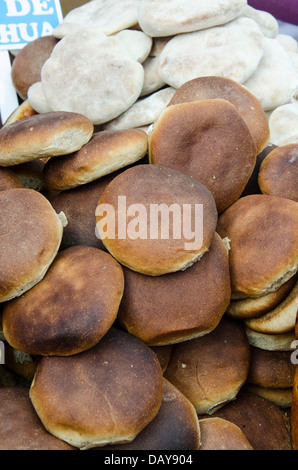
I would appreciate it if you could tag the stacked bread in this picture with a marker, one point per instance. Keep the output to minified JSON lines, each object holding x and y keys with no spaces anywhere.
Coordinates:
{"x":125,"y":327}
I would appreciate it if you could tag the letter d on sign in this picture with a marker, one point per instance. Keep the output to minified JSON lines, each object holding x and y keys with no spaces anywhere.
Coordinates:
{"x":2,"y":358}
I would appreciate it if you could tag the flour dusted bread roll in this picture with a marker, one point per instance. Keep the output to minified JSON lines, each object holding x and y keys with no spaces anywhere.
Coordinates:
{"x":144,"y":243}
{"x":21,"y":428}
{"x":83,"y":288}
{"x":166,"y":19}
{"x":43,"y":135}
{"x":262,"y":230}
{"x":215,"y":87}
{"x":178,"y":306}
{"x":211,"y":370}
{"x":31,"y":233}
{"x":209,"y":141}
{"x":123,"y":395}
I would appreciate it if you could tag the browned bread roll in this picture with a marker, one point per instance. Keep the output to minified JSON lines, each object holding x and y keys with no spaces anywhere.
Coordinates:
{"x":71,"y":308}
{"x":31,"y":233}
{"x":123,"y":395}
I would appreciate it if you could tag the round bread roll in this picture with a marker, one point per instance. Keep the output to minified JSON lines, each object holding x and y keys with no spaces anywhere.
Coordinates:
{"x":123,"y":395}
{"x":272,"y":369}
{"x":263,"y":423}
{"x":211,"y":370}
{"x":263,"y":243}
{"x":79,"y":205}
{"x":31,"y":234}
{"x":43,"y":135}
{"x":178,"y":306}
{"x":21,"y":428}
{"x":83,"y":288}
{"x":105,"y":80}
{"x":247,"y":105}
{"x":209,"y":141}
{"x":133,"y":219}
{"x":220,"y":434}
{"x":244,"y":309}
{"x":165,"y":19}
{"x":281,"y":319}
{"x":271,"y":342}
{"x":232,"y":50}
{"x":106,"y":152}
{"x":278,"y":173}
{"x":28,"y":62}
{"x":175,"y":427}
{"x":8,"y":179}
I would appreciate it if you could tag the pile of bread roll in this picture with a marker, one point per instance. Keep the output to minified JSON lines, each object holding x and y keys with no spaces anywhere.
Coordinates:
{"x":116,"y":342}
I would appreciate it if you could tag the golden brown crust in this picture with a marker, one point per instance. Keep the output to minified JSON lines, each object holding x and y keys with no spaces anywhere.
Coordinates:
{"x":21,"y":428}
{"x":150,"y":186}
{"x":248,"y":106}
{"x":120,"y":371}
{"x":84,"y":285}
{"x":278,"y":173}
{"x":107,"y":151}
{"x":28,"y":62}
{"x":175,"y":427}
{"x":262,"y":231}
{"x":43,"y":135}
{"x":247,"y":308}
{"x":263,"y":422}
{"x":210,"y":370}
{"x":209,"y":141}
{"x":220,"y":434}
{"x":178,"y":306}
{"x":31,"y":234}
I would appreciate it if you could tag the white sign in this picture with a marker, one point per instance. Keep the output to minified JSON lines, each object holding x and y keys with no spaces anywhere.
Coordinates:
{"x":21,"y":22}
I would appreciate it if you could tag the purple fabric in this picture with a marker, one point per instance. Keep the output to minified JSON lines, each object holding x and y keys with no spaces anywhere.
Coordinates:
{"x":284,"y":10}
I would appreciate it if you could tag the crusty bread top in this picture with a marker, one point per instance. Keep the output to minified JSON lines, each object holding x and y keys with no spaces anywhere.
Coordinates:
{"x":151,"y":186}
{"x":43,"y":135}
{"x":262,"y":231}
